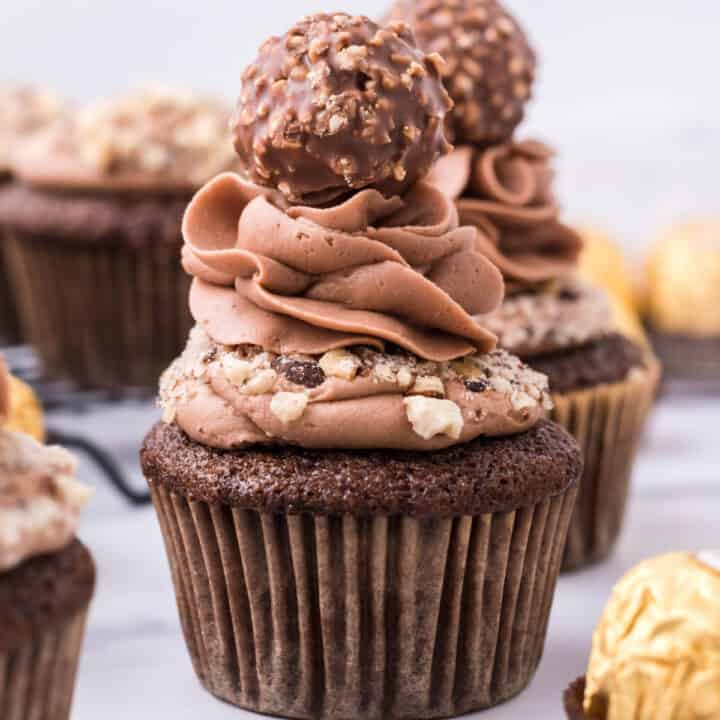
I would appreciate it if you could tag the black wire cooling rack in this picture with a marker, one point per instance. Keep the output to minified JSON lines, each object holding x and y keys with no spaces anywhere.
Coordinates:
{"x":62,"y":396}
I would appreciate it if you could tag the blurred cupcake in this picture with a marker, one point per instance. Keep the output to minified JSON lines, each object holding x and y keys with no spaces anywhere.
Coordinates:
{"x":24,"y":112}
{"x":682,"y":303}
{"x":363,"y":506}
{"x":93,"y":233}
{"x":47,"y":577}
{"x":603,"y":263}
{"x":602,"y":382}
{"x":656,"y":651}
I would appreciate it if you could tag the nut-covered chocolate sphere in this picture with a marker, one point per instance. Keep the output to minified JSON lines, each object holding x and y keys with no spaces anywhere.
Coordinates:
{"x":338,"y":104}
{"x":489,"y":65}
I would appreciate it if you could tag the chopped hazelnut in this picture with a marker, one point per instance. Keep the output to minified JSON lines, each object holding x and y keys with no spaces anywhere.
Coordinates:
{"x":431,"y":416}
{"x":288,"y":406}
{"x":340,"y":364}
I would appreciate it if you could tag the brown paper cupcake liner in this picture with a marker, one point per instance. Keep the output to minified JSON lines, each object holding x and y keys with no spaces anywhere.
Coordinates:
{"x":309,"y":616}
{"x":37,"y":680}
{"x":608,"y":422}
{"x":102,"y":316}
{"x":9,"y":319}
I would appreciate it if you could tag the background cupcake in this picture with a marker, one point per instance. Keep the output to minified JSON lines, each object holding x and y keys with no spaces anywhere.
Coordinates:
{"x":363,"y":507}
{"x":682,"y":301}
{"x":46,"y":576}
{"x":24,"y":112}
{"x":602,"y":382}
{"x":93,"y":233}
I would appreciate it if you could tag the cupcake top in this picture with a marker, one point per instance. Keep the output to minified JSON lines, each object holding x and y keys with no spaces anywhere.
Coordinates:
{"x":683,"y":277}
{"x":656,"y":651}
{"x":24,"y":111}
{"x":339,"y":104}
{"x":312,"y":320}
{"x":505,"y":191}
{"x":40,"y":499}
{"x":160,"y":141}
{"x":489,"y":65}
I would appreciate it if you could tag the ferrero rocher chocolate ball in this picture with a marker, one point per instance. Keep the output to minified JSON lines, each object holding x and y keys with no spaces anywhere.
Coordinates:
{"x":489,"y":65}
{"x":339,"y":104}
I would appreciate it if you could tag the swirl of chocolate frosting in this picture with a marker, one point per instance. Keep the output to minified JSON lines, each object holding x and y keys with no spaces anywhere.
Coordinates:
{"x":505,"y":191}
{"x":369,"y":271}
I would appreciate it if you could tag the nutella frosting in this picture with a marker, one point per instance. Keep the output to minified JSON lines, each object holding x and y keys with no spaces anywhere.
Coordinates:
{"x":506,"y":192}
{"x":368,"y":271}
{"x":161,"y":141}
{"x":40,"y":499}
{"x":350,"y":326}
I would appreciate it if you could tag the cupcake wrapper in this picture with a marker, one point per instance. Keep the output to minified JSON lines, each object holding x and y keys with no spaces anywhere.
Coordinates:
{"x":9,"y":321}
{"x":37,"y":680}
{"x":608,"y":422}
{"x":308,"y":616}
{"x":102,"y":316}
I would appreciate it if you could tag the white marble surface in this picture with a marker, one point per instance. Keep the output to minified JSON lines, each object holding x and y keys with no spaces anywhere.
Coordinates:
{"x":135,"y":663}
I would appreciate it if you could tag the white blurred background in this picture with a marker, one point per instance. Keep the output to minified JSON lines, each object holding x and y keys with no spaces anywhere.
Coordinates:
{"x":628,"y":90}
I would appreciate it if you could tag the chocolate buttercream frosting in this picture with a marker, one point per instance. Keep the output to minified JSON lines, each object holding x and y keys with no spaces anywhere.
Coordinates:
{"x":339,"y":104}
{"x":368,"y":271}
{"x":154,"y":140}
{"x":506,"y":192}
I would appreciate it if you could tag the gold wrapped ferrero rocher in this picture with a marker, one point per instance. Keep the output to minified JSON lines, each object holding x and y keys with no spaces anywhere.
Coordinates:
{"x":683,"y":281}
{"x":603,"y":263}
{"x":656,"y":651}
{"x":20,"y":410}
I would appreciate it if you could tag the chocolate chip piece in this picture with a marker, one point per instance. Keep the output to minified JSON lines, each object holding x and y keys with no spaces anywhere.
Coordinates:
{"x":300,"y":372}
{"x":569,"y":295}
{"x":477,"y":386}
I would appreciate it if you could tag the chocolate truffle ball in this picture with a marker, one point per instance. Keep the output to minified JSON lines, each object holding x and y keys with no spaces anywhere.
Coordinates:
{"x":489,"y":65}
{"x":339,"y":104}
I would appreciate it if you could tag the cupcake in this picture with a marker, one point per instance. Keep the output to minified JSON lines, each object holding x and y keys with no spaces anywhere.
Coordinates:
{"x":603,"y":263}
{"x":93,"y":236}
{"x":24,"y":112}
{"x":46,"y":575}
{"x":602,"y":382}
{"x":656,"y":651}
{"x":683,"y":301}
{"x":363,"y":505}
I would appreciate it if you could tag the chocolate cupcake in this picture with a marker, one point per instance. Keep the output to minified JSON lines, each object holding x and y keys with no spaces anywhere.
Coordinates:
{"x":93,"y":234}
{"x":46,"y":576}
{"x":656,"y":651}
{"x":602,"y":382}
{"x":363,"y":506}
{"x":683,"y":301}
{"x":24,"y":112}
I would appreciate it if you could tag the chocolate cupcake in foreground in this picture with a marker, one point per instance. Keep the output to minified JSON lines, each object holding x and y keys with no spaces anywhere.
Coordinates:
{"x":93,"y":239}
{"x":363,"y":506}
{"x":656,"y":651}
{"x":683,"y":303}
{"x":24,"y":112}
{"x":602,"y":382}
{"x":46,"y":575}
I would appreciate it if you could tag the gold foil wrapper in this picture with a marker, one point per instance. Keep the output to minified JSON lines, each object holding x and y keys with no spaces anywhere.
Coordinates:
{"x":608,"y":422}
{"x":656,"y":651}
{"x":316,"y":617}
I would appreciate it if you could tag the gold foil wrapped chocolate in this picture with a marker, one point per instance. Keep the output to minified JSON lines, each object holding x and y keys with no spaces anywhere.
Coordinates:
{"x":656,"y":651}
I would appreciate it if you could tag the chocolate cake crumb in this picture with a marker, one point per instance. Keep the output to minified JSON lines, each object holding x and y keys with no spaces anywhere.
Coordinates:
{"x":301,"y":372}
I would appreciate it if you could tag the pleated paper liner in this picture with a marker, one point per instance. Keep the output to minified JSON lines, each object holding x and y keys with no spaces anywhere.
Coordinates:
{"x":9,"y":320}
{"x":104,"y":316}
{"x":37,"y":679}
{"x":608,"y":422}
{"x":573,"y":700}
{"x":308,"y":616}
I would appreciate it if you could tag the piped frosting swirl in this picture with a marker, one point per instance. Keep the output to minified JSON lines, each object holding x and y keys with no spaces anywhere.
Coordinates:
{"x":506,"y":192}
{"x":368,"y":271}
